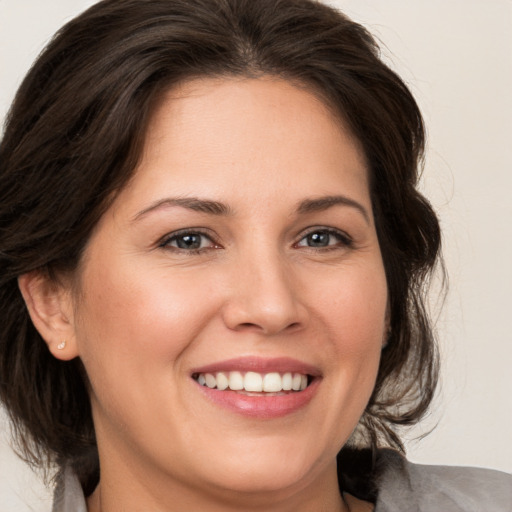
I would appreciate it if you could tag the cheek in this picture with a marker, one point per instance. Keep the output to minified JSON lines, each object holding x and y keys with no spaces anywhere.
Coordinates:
{"x":353,"y":306}
{"x":130,"y":319}
{"x":365,"y":324}
{"x":353,"y":313}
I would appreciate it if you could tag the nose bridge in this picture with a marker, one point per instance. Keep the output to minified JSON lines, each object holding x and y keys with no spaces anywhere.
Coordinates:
{"x":264,"y":292}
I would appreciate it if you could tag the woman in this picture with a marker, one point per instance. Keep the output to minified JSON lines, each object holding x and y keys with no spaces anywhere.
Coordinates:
{"x":213,"y":263}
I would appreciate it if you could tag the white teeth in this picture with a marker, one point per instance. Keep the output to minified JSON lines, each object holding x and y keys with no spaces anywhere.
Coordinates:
{"x":211,"y":382}
{"x":287,"y":381}
{"x":254,"y":382}
{"x":222,"y":381}
{"x":236,"y":381}
{"x":296,"y":381}
{"x":272,"y":382}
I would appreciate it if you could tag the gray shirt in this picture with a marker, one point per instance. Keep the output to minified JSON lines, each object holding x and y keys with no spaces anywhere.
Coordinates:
{"x":401,"y":486}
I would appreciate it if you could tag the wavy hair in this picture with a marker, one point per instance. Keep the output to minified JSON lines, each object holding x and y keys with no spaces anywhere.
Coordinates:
{"x":73,"y":138}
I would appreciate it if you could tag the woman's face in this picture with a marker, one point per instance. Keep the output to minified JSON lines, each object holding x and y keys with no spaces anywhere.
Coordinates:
{"x":244,"y":254}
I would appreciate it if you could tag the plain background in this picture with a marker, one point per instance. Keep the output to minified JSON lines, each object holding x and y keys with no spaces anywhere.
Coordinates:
{"x":456,"y":56}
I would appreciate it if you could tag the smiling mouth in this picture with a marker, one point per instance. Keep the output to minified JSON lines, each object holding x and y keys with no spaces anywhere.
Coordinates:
{"x":254,"y":383}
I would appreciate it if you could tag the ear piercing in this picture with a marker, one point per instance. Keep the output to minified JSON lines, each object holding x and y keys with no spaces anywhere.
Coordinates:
{"x":61,"y":345}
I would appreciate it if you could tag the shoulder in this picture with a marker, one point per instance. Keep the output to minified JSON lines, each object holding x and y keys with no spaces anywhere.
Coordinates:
{"x":68,"y":495}
{"x":405,"y":486}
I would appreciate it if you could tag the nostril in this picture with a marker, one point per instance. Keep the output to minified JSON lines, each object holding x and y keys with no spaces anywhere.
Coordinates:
{"x":255,"y":326}
{"x":248,"y":325}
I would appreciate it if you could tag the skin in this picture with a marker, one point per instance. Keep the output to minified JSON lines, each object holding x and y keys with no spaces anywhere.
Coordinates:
{"x":142,"y":313}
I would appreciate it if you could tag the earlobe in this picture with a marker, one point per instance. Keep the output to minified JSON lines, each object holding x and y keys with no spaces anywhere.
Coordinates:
{"x":50,"y":308}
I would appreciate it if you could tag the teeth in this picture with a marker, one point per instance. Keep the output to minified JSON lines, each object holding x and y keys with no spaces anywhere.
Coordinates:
{"x":236,"y":381}
{"x":273,"y":382}
{"x":211,"y":381}
{"x":253,"y":382}
{"x":222,"y":381}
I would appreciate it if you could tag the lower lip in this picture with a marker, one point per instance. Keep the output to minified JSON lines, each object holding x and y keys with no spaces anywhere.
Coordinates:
{"x":261,"y":406}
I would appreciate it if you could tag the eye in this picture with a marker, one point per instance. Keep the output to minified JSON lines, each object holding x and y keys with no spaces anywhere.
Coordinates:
{"x":324,"y":238}
{"x":190,"y":241}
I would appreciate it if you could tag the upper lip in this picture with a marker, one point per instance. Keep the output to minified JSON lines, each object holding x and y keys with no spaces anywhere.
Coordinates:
{"x":260,"y":365}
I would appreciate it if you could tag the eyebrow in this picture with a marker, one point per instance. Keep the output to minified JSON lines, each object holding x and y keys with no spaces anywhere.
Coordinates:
{"x":326,"y":202}
{"x":211,"y":207}
{"x":192,"y":203}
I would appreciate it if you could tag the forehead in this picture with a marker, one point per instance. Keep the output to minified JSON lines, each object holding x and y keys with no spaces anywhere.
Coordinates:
{"x":240,"y":103}
{"x":241,"y":135}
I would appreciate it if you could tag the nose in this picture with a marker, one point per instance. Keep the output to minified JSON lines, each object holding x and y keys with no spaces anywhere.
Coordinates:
{"x":264,"y":297}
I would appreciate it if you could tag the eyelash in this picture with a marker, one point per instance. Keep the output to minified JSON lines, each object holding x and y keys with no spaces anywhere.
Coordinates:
{"x":344,"y":240}
{"x":165,"y":242}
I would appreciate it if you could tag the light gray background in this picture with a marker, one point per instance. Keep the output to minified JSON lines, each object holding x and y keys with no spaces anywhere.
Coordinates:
{"x":456,"y":55}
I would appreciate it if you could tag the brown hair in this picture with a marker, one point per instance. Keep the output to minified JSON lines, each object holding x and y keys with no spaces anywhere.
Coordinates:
{"x":73,"y":138}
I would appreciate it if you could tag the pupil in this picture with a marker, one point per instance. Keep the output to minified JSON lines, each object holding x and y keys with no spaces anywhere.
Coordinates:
{"x":189,"y":242}
{"x":318,"y":239}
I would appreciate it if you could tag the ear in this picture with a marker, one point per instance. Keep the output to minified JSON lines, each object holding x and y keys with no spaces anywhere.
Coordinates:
{"x":50,"y":307}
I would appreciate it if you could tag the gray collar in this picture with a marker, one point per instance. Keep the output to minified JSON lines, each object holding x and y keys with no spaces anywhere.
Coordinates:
{"x":401,"y":487}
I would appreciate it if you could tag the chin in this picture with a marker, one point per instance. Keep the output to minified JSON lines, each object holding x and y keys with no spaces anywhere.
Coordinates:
{"x":264,"y":471}
{"x":268,"y":479}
